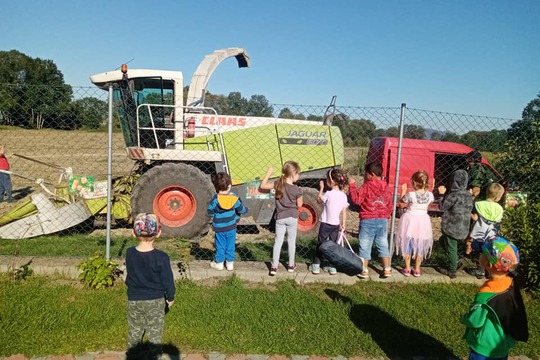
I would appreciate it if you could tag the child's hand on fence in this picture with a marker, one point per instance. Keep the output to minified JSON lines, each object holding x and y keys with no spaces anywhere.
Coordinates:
{"x":352,"y":181}
{"x":321,"y":185}
{"x":442,"y":189}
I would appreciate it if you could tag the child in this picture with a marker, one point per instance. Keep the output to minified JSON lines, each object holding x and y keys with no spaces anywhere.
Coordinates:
{"x":288,"y":200}
{"x":150,"y":284}
{"x":5,"y":178}
{"x":335,"y":206}
{"x":414,"y":236}
{"x":497,"y":318}
{"x":457,"y":206}
{"x":375,"y":200}
{"x":225,"y":209}
{"x":486,"y":215}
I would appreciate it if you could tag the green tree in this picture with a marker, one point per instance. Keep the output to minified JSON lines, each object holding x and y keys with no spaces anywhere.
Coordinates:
{"x":93,"y":113}
{"x":258,"y":105}
{"x":33,"y":91}
{"x":520,"y":164}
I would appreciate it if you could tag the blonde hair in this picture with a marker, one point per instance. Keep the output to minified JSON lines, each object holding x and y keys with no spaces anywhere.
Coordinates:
{"x":419,"y":180}
{"x":495,"y":192}
{"x":289,"y":169}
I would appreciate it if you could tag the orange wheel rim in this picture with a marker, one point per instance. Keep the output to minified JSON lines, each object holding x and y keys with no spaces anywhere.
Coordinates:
{"x":307,"y":218}
{"x":175,"y":206}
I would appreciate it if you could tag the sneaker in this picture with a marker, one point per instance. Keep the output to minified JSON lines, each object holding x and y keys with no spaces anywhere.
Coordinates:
{"x":406,"y":272}
{"x":451,"y":275}
{"x":417,"y":273}
{"x":331,"y":270}
{"x":387,"y":273}
{"x":217,"y":266}
{"x":273,"y":270}
{"x":477,"y":273}
{"x":290,"y":268}
{"x":363,"y":275}
{"x":230,"y":265}
{"x":315,"y":269}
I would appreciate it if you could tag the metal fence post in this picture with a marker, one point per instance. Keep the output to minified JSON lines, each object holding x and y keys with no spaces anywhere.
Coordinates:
{"x":396,"y":184}
{"x":109,"y":175}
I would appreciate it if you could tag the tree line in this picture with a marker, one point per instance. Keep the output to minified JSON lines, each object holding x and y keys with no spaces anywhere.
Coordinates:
{"x":33,"y":95}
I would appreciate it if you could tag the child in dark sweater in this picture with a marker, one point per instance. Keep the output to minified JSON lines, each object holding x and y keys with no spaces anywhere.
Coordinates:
{"x":150,"y":284}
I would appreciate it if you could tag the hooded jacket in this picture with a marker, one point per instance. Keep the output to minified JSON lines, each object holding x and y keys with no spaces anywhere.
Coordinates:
{"x":225,"y":209}
{"x":496,"y":319}
{"x":374,"y":198}
{"x":457,"y":207}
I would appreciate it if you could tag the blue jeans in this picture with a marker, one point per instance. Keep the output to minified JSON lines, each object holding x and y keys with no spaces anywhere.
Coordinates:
{"x":473,"y":355}
{"x":373,"y":229}
{"x":225,"y":245}
{"x":5,"y":186}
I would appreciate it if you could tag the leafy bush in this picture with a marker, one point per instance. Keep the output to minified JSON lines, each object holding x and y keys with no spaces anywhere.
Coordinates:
{"x":97,"y":272}
{"x":520,"y":225}
{"x":23,"y":272}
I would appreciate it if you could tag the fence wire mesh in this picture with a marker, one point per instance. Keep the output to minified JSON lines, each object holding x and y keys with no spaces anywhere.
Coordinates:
{"x":164,"y":157}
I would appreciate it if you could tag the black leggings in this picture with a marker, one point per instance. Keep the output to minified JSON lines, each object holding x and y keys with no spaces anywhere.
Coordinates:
{"x":326,"y":232}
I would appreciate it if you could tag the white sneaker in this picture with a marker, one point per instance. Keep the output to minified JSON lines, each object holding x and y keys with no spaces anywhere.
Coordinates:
{"x":217,"y":266}
{"x":229,"y":265}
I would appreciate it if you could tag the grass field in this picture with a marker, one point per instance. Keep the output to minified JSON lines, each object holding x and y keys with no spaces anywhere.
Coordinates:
{"x":43,"y":316}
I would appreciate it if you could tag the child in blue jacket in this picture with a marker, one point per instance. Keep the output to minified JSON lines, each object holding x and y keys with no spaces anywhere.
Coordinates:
{"x":225,"y":209}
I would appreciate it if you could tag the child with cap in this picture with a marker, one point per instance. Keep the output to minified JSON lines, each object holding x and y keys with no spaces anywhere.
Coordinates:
{"x":497,"y":318}
{"x":150,"y":284}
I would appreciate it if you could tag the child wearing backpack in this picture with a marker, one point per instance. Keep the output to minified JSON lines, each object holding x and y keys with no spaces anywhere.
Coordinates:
{"x":375,"y":200}
{"x":486,"y":216}
{"x":497,"y":318}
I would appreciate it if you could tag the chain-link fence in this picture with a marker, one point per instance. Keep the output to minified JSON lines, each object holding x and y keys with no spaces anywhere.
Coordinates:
{"x":165,"y":156}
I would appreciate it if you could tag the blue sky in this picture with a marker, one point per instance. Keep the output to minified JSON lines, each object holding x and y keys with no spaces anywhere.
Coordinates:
{"x":462,"y":56}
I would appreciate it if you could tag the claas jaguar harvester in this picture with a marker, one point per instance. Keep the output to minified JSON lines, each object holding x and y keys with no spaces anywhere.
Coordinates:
{"x":179,"y":146}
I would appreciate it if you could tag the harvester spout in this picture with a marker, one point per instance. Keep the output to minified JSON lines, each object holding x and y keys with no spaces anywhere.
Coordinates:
{"x":206,"y":68}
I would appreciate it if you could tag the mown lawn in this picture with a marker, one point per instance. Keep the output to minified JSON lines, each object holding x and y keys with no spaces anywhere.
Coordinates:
{"x":41,"y":316}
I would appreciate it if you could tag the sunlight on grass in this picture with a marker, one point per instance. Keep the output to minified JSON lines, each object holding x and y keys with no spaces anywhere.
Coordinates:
{"x":368,"y":319}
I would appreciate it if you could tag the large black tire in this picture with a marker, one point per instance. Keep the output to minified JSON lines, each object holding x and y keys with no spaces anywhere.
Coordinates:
{"x":178,"y":194}
{"x":309,"y":215}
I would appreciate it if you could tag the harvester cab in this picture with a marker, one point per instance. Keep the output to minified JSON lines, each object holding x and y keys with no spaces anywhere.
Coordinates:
{"x":180,"y":144}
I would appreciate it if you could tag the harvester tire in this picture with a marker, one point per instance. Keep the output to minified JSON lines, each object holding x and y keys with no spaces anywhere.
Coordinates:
{"x":178,"y":194}
{"x":309,"y":214}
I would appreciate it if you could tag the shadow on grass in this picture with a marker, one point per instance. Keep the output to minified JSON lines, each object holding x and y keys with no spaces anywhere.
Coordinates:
{"x":146,"y":351}
{"x":394,"y":338}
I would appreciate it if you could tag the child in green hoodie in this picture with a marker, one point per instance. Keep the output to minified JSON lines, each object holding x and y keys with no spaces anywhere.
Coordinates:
{"x":497,"y":317}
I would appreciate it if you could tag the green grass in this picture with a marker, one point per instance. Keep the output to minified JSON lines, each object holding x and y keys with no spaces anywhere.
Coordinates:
{"x":40,"y":317}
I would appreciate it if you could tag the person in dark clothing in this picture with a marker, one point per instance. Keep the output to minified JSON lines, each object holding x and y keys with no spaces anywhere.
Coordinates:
{"x":497,"y":317}
{"x":476,"y":173}
{"x":457,"y":206}
{"x":150,"y":284}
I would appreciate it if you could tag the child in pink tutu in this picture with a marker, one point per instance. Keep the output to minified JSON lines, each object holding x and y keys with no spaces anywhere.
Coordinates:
{"x":414,"y":236}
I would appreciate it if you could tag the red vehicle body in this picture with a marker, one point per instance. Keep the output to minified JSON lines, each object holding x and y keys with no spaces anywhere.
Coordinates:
{"x":438,"y":158}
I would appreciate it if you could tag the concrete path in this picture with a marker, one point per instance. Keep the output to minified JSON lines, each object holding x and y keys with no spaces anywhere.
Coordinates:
{"x":245,"y":270}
